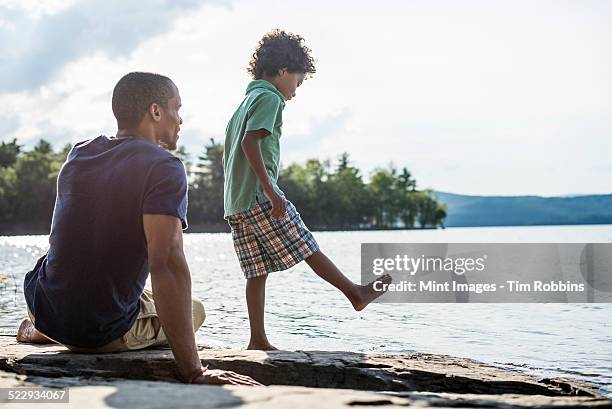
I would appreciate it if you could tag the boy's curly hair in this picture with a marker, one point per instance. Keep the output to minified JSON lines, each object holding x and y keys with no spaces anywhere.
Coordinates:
{"x":279,"y":49}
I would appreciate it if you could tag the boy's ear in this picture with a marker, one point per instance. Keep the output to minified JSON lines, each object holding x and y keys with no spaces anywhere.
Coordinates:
{"x":155,"y":111}
{"x":282,"y":72}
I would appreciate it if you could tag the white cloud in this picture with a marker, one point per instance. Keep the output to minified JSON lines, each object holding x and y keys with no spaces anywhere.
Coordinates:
{"x":37,"y":48}
{"x":36,"y":8}
{"x":474,"y":97}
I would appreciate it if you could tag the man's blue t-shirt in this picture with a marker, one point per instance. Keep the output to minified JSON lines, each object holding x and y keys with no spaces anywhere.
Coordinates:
{"x":85,"y":291}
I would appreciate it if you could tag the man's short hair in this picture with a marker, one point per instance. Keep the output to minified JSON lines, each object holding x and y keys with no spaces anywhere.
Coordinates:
{"x":279,"y":49}
{"x":134,"y":94}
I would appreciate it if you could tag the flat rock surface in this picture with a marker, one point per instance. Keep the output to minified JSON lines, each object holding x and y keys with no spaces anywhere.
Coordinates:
{"x":318,"y":379}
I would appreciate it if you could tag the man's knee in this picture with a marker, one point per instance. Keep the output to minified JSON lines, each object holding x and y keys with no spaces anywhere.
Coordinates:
{"x":198,"y":313}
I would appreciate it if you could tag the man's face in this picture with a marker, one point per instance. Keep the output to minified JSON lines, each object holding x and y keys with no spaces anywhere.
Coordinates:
{"x":170,"y":123}
{"x":288,"y":82}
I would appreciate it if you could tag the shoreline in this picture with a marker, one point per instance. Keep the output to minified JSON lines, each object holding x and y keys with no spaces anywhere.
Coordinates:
{"x":223,"y":229}
{"x":340,"y":378}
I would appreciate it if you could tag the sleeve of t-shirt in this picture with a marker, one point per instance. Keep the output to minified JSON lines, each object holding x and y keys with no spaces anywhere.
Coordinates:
{"x":263,"y":113}
{"x":166,"y":191}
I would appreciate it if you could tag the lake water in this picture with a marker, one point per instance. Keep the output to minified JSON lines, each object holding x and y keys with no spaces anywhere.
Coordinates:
{"x":303,"y":312}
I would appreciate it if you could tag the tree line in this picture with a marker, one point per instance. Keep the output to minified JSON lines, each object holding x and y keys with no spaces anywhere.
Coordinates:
{"x":329,"y":196}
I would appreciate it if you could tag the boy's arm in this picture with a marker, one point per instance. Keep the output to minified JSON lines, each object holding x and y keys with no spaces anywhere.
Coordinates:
{"x":251,"y":149}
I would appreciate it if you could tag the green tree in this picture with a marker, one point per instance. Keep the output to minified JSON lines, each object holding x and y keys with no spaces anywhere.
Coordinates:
{"x":385,"y":197}
{"x":36,"y":173}
{"x":8,"y":193}
{"x":327,"y":198}
{"x":343,"y":161}
{"x":430,"y":212}
{"x":185,"y":157}
{"x":407,"y":203}
{"x":43,"y":147}
{"x":305,"y":185}
{"x":349,"y":196}
{"x":405,"y":181}
{"x":408,"y":209}
{"x":294,"y":182}
{"x":8,"y":153}
{"x":206,"y":197}
{"x":65,"y":151}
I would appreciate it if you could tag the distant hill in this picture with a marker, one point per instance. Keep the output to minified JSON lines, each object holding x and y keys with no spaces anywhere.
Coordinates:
{"x":466,"y":210}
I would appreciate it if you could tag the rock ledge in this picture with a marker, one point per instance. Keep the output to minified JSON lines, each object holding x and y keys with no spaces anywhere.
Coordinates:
{"x":300,"y":378}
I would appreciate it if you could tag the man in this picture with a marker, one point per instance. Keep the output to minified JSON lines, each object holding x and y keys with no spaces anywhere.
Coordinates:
{"x":119,"y":213}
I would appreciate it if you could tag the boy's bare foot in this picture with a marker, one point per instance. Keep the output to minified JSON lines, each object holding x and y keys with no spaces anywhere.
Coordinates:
{"x":27,"y":333}
{"x":367,"y":293}
{"x":261,"y":346}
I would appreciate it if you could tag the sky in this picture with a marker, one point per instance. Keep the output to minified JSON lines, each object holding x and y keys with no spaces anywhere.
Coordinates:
{"x":473,"y":97}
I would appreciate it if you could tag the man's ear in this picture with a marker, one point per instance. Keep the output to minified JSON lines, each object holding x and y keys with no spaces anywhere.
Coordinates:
{"x":155,"y":111}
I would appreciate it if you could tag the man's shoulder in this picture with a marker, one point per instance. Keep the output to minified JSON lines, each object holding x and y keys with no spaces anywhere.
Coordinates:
{"x":168,"y":168}
{"x":126,"y":153}
{"x":147,"y":148}
{"x":131,"y":143}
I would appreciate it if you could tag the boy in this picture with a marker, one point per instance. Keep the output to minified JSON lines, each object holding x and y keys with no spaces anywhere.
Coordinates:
{"x":267,"y":230}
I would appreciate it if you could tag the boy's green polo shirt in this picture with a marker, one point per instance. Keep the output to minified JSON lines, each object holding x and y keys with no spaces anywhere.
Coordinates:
{"x":262,"y":108}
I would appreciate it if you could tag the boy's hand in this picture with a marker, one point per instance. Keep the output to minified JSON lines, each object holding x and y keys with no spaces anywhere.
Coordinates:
{"x":279,"y":203}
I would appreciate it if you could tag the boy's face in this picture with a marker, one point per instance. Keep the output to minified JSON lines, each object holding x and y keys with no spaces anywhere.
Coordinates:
{"x":287,"y":82}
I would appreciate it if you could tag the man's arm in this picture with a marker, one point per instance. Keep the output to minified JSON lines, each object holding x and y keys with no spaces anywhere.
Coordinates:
{"x":251,"y":149}
{"x":171,"y":281}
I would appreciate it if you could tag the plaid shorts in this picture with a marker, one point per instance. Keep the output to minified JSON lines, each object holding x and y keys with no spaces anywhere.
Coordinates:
{"x":264,"y":245}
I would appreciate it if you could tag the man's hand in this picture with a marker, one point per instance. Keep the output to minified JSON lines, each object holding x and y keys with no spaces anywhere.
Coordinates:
{"x":279,"y":203}
{"x":219,"y":377}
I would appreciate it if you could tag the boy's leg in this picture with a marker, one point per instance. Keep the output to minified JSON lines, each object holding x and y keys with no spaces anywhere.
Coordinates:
{"x":255,"y":264}
{"x":359,"y":295}
{"x":256,"y":300}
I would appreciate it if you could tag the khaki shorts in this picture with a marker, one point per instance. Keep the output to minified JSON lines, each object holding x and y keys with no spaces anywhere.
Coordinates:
{"x":145,"y":332}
